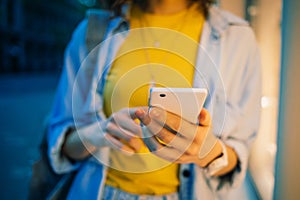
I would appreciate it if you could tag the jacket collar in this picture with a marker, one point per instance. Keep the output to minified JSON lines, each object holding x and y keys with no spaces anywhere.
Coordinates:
{"x":217,"y":22}
{"x":221,"y":20}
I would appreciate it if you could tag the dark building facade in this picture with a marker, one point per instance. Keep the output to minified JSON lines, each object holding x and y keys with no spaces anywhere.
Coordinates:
{"x":34,"y":33}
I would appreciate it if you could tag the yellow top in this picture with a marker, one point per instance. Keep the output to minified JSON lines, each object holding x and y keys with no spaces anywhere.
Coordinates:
{"x":168,"y":60}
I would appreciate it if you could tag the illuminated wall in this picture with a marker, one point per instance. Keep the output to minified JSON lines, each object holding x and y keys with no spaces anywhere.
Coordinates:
{"x":265,"y":18}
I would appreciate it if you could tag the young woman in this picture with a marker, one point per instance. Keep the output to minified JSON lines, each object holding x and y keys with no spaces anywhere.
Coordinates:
{"x":101,"y":125}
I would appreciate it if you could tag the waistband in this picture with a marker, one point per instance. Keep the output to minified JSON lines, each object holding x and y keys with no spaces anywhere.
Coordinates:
{"x":111,"y":193}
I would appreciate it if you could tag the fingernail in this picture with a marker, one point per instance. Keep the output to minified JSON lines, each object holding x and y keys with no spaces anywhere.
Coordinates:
{"x":202,"y":118}
{"x":140,"y":113}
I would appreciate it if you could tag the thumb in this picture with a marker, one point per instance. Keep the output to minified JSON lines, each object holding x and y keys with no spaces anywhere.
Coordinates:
{"x":204,"y":118}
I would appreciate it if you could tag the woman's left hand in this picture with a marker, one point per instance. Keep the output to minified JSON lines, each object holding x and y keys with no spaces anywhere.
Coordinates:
{"x":177,"y":140}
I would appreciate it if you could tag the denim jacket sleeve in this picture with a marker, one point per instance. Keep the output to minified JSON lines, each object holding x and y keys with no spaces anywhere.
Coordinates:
{"x":61,"y":118}
{"x":235,"y":96}
{"x":78,"y":100}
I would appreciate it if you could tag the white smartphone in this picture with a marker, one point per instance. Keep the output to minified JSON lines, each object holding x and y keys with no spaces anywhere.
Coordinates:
{"x":185,"y":102}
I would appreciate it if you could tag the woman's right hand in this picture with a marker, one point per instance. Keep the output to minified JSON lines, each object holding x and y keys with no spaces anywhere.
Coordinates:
{"x":120,"y":131}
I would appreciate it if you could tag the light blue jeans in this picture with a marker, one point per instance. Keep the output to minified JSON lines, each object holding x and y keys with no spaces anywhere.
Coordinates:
{"x":111,"y":193}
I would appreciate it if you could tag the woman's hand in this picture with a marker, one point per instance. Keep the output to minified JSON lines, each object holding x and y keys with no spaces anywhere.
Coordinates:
{"x":122,"y":131}
{"x":119,"y":131}
{"x":177,"y":140}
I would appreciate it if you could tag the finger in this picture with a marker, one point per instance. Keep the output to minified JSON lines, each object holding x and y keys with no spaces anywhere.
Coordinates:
{"x":164,"y":135}
{"x":132,"y":111}
{"x":173,"y":123}
{"x":184,"y":159}
{"x":159,"y":117}
{"x":177,"y":142}
{"x":204,"y":118}
{"x":154,"y":146}
{"x":181,"y":144}
{"x":125,"y":122}
{"x":168,"y":153}
{"x":115,"y":143}
{"x":115,"y":130}
{"x":146,"y":120}
{"x":143,"y":116}
{"x":150,"y":141}
{"x":125,"y":135}
{"x":158,"y":114}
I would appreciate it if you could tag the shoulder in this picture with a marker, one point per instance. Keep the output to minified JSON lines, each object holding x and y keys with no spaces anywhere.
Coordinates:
{"x":78,"y":35}
{"x":225,"y":23}
{"x":222,"y":21}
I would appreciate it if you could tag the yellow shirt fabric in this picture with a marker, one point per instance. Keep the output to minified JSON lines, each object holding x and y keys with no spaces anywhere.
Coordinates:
{"x":164,"y":54}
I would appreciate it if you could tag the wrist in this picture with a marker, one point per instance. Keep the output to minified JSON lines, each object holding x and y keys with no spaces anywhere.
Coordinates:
{"x":224,"y":164}
{"x":73,"y":148}
{"x":219,"y":164}
{"x":215,"y":152}
{"x":92,"y":135}
{"x":81,"y":142}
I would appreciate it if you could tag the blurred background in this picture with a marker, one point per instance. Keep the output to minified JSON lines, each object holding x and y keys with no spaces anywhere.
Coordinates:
{"x":33,"y":35}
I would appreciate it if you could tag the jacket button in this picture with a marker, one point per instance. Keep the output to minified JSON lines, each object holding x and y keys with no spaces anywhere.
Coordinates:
{"x":186,"y":173}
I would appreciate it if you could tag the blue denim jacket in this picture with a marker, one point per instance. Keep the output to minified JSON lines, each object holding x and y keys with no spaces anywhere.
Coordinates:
{"x":228,"y":64}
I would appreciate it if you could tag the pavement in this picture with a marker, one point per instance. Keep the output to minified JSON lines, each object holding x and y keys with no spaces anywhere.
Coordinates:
{"x":25,"y":101}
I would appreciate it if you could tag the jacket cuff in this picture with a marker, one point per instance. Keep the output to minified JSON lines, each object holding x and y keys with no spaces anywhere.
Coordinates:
{"x":236,"y":177}
{"x":58,"y":161}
